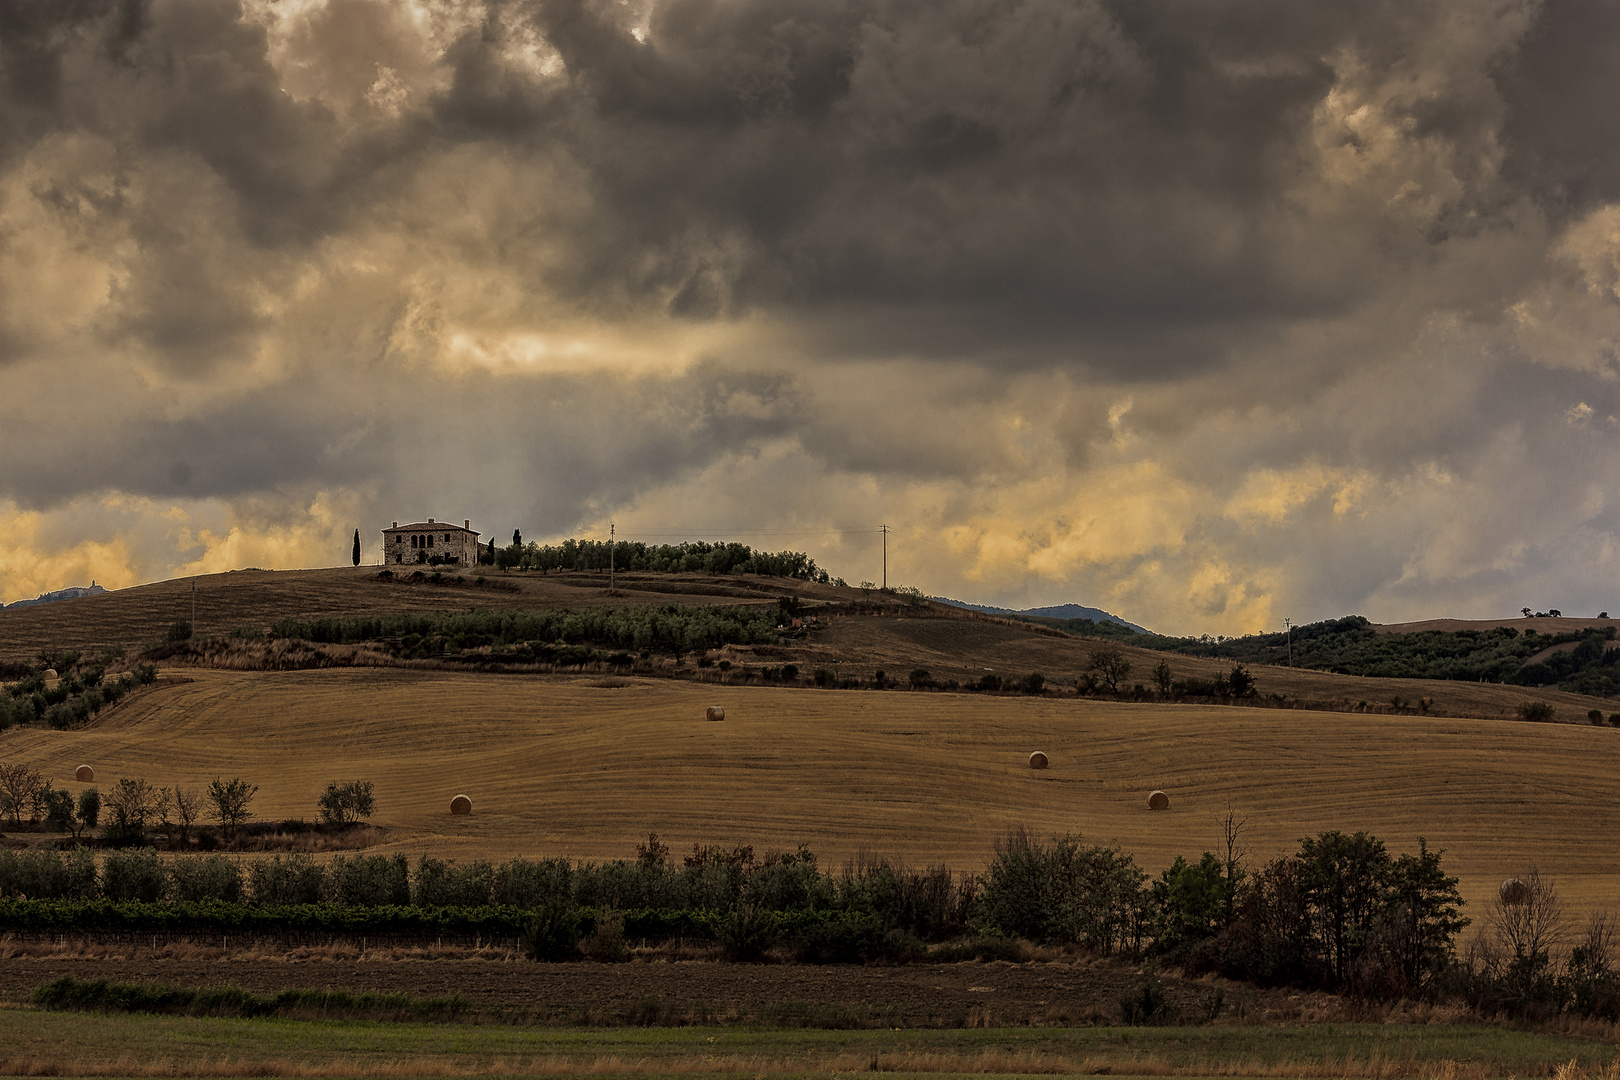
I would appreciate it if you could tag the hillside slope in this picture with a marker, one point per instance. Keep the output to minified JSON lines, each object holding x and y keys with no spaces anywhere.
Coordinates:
{"x":858,"y":633}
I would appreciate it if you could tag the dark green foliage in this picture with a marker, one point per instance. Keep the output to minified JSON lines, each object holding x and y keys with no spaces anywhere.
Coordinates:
{"x":205,"y":877}
{"x":789,"y":882}
{"x":747,"y":934}
{"x":46,"y":874}
{"x":694,"y":557}
{"x":1537,"y":712}
{"x":368,"y":880}
{"x":853,"y":939}
{"x":286,"y":879}
{"x":1192,"y":901}
{"x":554,"y":933}
{"x":346,"y":802}
{"x":99,"y":995}
{"x":1065,"y":892}
{"x":444,"y":884}
{"x":89,"y":807}
{"x":1034,"y":683}
{"x":179,"y":631}
{"x":357,"y":547}
{"x":1145,"y":1005}
{"x":134,"y":875}
{"x":555,"y":636}
{"x":59,"y":811}
{"x":1350,"y":646}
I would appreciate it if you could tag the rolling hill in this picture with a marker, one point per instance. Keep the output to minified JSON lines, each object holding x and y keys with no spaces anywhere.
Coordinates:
{"x":586,"y":767}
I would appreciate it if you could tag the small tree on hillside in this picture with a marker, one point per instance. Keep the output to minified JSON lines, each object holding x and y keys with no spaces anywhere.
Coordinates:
{"x":230,"y":799}
{"x":18,"y":784}
{"x":188,"y":805}
{"x":357,"y":547}
{"x":132,"y":804}
{"x":344,"y":803}
{"x":90,"y":807}
{"x":1162,"y":678}
{"x":1110,"y":665}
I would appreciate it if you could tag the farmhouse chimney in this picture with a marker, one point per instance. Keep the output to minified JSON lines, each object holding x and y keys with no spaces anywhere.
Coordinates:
{"x":396,"y":524}
{"x":467,"y":524}
{"x":430,"y":521}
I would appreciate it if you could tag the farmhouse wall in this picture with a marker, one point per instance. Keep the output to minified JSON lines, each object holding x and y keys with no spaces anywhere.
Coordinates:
{"x":409,"y":545}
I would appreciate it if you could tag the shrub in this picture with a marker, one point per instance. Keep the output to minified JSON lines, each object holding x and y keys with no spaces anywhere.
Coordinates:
{"x":206,"y":877}
{"x":286,"y":879}
{"x":605,"y":942}
{"x":1595,"y":716}
{"x":442,"y":884}
{"x":345,"y":803}
{"x":553,"y":934}
{"x":178,"y":631}
{"x":521,"y":883}
{"x":856,"y":939}
{"x":824,"y":678}
{"x":44,"y":874}
{"x":134,"y":875}
{"x":1144,"y":1005}
{"x":368,"y":880}
{"x":747,"y":934}
{"x":90,"y":807}
{"x":1537,"y":712}
{"x":1034,"y":683}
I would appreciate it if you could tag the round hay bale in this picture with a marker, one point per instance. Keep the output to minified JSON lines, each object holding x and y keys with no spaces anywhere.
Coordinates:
{"x":716,"y":713}
{"x":84,"y":774}
{"x":1037,"y":760}
{"x":461,"y":805}
{"x":1514,"y":892}
{"x":1158,"y":801}
{"x":50,"y":673}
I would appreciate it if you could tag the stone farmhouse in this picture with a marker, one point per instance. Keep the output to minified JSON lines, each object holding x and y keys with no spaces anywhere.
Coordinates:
{"x":427,"y":541}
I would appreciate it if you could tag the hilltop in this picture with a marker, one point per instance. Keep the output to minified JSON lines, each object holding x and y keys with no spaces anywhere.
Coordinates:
{"x":849,"y":636}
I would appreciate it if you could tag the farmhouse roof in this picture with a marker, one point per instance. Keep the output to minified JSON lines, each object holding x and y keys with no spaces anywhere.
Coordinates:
{"x":430,"y":526}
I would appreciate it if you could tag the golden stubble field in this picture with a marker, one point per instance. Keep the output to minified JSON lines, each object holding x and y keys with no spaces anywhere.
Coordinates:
{"x":559,"y":766}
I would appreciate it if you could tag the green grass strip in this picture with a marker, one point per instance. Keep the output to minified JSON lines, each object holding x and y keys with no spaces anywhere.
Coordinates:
{"x":100,"y":995}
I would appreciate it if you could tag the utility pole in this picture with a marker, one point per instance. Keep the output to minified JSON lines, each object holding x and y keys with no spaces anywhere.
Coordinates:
{"x":194,"y":605}
{"x":1288,"y":627}
{"x":885,"y":530}
{"x":611,"y":546}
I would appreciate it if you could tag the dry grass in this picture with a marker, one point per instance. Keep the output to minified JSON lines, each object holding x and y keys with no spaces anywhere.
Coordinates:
{"x":558,"y":767}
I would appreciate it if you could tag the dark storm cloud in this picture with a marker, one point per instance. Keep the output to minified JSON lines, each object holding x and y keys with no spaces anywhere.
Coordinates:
{"x":990,"y":178}
{"x":1240,"y":300}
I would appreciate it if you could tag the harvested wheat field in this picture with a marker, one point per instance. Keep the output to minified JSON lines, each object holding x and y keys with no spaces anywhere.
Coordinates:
{"x":556,"y":766}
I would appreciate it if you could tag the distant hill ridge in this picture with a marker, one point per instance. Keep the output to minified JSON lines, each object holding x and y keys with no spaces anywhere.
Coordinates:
{"x":1060,"y":611}
{"x":71,"y":593}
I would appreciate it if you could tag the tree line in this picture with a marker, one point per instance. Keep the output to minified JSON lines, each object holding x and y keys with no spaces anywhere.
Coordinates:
{"x":698,"y":556}
{"x":525,"y":636}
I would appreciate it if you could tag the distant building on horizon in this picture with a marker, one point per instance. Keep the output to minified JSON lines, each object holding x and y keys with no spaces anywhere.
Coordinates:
{"x":70,"y":593}
{"x":430,"y":542}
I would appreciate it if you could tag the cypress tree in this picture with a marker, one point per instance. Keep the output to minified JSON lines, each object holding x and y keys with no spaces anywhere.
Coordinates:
{"x":357,"y":547}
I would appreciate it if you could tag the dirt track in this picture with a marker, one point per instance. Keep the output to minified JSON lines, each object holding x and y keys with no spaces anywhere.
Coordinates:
{"x":924,"y":995}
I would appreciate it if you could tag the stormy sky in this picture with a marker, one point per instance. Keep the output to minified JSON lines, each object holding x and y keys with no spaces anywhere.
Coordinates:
{"x":1208,"y":313}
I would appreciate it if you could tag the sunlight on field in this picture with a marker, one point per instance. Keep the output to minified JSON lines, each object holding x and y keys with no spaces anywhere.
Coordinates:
{"x":561,"y":767}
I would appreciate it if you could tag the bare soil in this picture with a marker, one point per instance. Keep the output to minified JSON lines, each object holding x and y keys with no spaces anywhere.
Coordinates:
{"x":924,"y":995}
